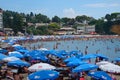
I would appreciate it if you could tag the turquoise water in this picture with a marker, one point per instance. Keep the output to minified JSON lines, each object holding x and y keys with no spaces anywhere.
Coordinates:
{"x":108,"y":47}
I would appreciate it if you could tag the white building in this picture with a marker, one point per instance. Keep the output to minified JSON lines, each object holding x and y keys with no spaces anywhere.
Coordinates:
{"x":85,"y":29}
{"x":1,"y":20}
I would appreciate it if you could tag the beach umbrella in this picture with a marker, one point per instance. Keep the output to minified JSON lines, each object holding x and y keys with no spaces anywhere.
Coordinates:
{"x":101,"y":75}
{"x":89,"y":56}
{"x":43,"y":49}
{"x":16,"y":54}
{"x":44,"y":75}
{"x":3,"y":51}
{"x":23,"y":51}
{"x":102,"y":56}
{"x":102,"y":63}
{"x":41,"y":66}
{"x":75,"y":63}
{"x":70,"y":59}
{"x":18,"y":47}
{"x":2,"y":56}
{"x":85,"y":67}
{"x":117,"y":59}
{"x":109,"y":67}
{"x":18,"y":63}
{"x":8,"y":59}
{"x":40,"y":57}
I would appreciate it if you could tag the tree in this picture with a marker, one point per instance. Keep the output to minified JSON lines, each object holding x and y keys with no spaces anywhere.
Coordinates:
{"x":56,"y":19}
{"x":53,"y":26}
{"x":108,"y":17}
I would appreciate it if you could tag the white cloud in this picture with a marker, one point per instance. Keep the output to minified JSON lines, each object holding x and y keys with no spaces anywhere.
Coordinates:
{"x":102,"y":5}
{"x":70,"y":13}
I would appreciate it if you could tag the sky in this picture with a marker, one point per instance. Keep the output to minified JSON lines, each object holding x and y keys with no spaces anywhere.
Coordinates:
{"x":63,"y":8}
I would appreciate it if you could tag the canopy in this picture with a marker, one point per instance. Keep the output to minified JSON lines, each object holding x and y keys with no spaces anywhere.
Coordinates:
{"x":23,"y":51}
{"x":8,"y":59}
{"x":117,"y":59}
{"x":18,"y":63}
{"x":109,"y":67}
{"x":70,"y":59}
{"x":44,"y":49}
{"x":85,"y":67}
{"x":75,"y":63}
{"x":2,"y":56}
{"x":101,"y":75}
{"x":89,"y":56}
{"x":41,"y":66}
{"x":16,"y":54}
{"x":44,"y":75}
{"x":102,"y":56}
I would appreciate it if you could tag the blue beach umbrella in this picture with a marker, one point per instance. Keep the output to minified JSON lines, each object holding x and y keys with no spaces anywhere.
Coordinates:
{"x":85,"y":67}
{"x":102,"y":56}
{"x":3,"y":51}
{"x":18,"y":63}
{"x":2,"y":56}
{"x":89,"y":56}
{"x":16,"y":54}
{"x":117,"y":59}
{"x":70,"y":59}
{"x":23,"y":51}
{"x":40,"y":57}
{"x":101,"y":75}
{"x":44,"y":75}
{"x":75,"y":63}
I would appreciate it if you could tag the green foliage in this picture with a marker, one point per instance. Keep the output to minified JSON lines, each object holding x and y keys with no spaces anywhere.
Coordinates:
{"x":15,"y":21}
{"x":56,"y":19}
{"x":53,"y":26}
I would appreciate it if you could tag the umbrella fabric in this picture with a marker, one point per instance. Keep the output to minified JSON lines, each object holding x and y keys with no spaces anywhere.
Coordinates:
{"x":85,"y":67}
{"x":16,"y":54}
{"x":117,"y":59}
{"x":109,"y":67}
{"x":89,"y":56}
{"x":41,"y":66}
{"x":8,"y":59}
{"x":100,"y":75}
{"x":44,"y":49}
{"x":102,"y":63}
{"x":102,"y":56}
{"x":3,"y":51}
{"x":75,"y":63}
{"x":18,"y":63}
{"x":23,"y":51}
{"x":39,"y":56}
{"x":2,"y":56}
{"x":44,"y":75}
{"x":70,"y":59}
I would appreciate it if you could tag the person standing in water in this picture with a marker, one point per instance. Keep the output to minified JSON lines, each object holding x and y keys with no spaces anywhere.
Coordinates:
{"x":86,"y":50}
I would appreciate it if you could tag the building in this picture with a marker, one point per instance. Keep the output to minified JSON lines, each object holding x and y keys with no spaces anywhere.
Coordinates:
{"x":65,"y":30}
{"x":1,"y":19}
{"x":85,"y":29}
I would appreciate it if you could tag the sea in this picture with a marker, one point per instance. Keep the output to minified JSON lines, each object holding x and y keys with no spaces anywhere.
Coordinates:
{"x":107,"y":47}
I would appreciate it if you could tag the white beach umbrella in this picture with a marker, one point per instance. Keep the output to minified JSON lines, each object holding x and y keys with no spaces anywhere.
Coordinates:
{"x":102,"y":63}
{"x":109,"y":67}
{"x":41,"y":66}
{"x":43,"y":49}
{"x":16,"y":45}
{"x":8,"y":59}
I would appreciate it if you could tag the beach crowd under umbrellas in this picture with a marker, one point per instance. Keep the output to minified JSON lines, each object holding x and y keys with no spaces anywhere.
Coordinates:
{"x":18,"y":62}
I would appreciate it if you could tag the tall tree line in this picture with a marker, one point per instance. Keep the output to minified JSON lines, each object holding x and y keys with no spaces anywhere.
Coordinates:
{"x":15,"y":20}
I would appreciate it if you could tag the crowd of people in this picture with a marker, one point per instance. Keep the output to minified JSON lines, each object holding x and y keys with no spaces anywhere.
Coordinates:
{"x":21,"y":73}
